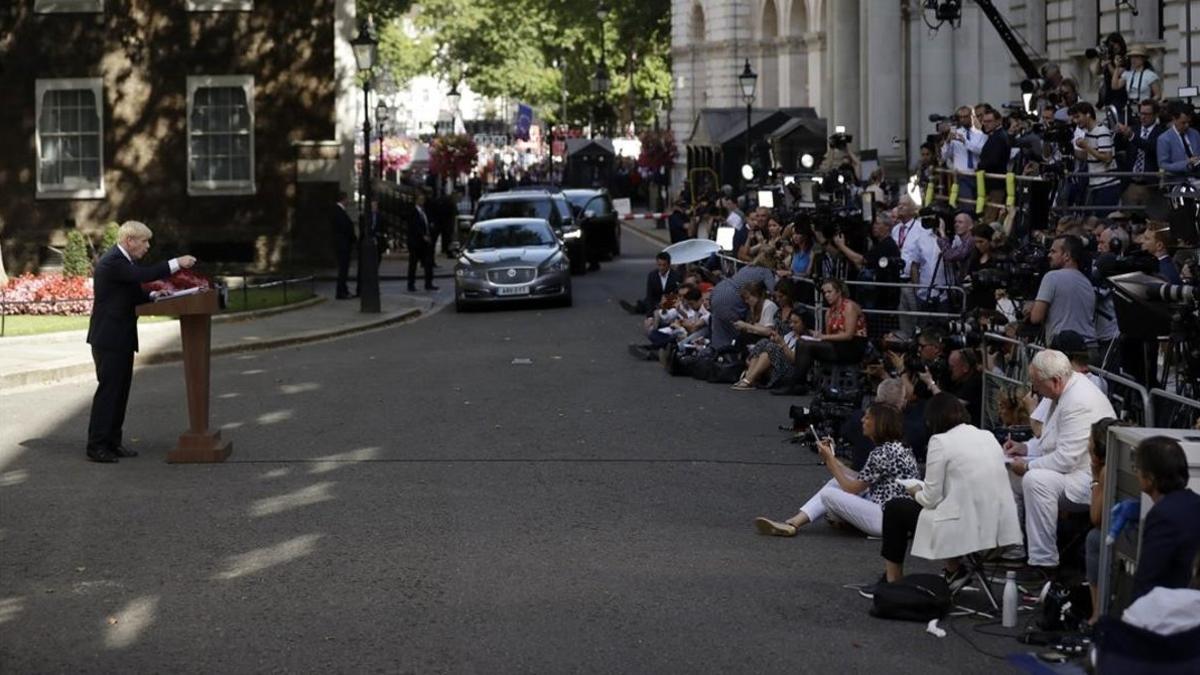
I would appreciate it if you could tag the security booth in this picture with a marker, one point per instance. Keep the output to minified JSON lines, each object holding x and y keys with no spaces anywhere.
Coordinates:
{"x":717,"y":140}
{"x":589,"y":163}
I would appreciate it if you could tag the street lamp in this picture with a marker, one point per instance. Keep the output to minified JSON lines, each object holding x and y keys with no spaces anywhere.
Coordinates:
{"x":381,"y":120}
{"x":600,"y":85}
{"x":748,"y":81}
{"x":365,"y":48}
{"x":454,"y":98}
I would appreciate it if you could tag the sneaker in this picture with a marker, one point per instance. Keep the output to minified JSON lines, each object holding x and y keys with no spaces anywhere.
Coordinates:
{"x":1014,"y":554}
{"x":770,"y":527}
{"x":956,"y":579}
{"x":868,"y":590}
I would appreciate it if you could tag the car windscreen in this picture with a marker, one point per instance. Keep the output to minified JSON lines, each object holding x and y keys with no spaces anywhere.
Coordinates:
{"x":597,"y":204}
{"x":516,"y":235}
{"x":513,"y":208}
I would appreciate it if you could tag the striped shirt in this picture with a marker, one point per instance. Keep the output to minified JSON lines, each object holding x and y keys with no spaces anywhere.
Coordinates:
{"x":1100,"y":139}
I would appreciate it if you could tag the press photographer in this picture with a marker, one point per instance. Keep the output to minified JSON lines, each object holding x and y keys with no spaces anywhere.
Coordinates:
{"x":1109,"y":60}
{"x":1096,"y":148}
{"x":880,"y":262}
{"x":960,"y":145}
{"x":1137,"y":145}
{"x":1065,"y":299}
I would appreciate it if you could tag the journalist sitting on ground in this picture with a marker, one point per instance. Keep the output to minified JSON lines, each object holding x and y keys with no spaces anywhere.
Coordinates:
{"x":760,"y":312}
{"x":659,"y":282}
{"x":727,"y":305}
{"x":964,"y":504}
{"x":845,"y":336}
{"x":853,"y":497}
{"x":773,"y":361}
{"x":1062,"y":467}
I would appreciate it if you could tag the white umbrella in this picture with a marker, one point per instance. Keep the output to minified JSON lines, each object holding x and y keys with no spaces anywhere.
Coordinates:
{"x":691,"y":250}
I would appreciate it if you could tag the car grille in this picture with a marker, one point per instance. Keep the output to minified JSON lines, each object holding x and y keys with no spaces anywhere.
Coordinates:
{"x":512,"y":275}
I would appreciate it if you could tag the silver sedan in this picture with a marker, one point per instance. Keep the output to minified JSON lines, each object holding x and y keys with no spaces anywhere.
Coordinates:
{"x":512,"y":259}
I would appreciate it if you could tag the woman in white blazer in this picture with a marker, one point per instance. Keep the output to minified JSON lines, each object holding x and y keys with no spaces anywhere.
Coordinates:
{"x":965,"y":504}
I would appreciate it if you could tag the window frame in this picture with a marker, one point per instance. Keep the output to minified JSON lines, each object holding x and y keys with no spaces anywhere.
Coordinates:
{"x":219,"y":188}
{"x":96,"y":86}
{"x":68,"y":6}
{"x":220,"y":5}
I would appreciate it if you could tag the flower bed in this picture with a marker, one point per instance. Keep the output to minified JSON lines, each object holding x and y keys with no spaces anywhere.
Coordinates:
{"x":49,"y":294}
{"x":54,"y":294}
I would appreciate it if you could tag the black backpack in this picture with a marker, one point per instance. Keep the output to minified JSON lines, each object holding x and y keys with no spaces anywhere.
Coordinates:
{"x":916,"y":597}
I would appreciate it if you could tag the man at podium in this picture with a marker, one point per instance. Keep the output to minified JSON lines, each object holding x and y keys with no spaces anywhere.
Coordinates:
{"x":112,"y":333}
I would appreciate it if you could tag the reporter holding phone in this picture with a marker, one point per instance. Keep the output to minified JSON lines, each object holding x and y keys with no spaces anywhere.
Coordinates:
{"x":857,"y":498}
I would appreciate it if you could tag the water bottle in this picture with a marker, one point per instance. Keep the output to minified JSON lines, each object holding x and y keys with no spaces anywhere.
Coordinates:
{"x":1009,"y":616}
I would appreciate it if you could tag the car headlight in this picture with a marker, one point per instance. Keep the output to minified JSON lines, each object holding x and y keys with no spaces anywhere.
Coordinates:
{"x":573,"y":234}
{"x":467,"y":273}
{"x":559,"y":264}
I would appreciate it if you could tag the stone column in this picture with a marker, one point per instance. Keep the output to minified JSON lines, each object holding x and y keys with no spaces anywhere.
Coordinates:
{"x":844,"y":50}
{"x":815,"y":46}
{"x":882,"y":88}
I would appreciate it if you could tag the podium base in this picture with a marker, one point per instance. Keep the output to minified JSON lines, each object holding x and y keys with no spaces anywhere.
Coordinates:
{"x":200,"y":448}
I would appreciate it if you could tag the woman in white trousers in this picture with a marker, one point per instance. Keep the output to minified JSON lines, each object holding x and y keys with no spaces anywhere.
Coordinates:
{"x":857,"y":498}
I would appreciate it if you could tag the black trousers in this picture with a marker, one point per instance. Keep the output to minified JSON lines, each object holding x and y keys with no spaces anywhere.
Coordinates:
{"x":343,"y":268}
{"x":808,"y":353}
{"x":420,"y":253}
{"x":114,"y":375}
{"x":900,"y":517}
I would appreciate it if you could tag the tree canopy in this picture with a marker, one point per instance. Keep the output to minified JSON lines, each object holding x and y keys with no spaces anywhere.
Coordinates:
{"x":536,"y":50}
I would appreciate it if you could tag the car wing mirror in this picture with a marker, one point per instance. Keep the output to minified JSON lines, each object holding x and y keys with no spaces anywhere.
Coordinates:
{"x":589,"y":214}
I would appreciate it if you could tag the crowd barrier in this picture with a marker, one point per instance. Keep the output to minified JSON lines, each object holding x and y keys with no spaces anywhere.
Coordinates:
{"x":947,"y":189}
{"x":1131,"y":401}
{"x":1173,"y":411}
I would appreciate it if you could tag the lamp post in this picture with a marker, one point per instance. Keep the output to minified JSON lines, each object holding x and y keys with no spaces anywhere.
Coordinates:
{"x":381,"y":121}
{"x":601,"y":81}
{"x":600,"y":85}
{"x":748,"y":81}
{"x":365,"y":51}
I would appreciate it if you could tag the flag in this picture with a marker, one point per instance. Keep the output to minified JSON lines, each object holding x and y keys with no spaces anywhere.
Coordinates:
{"x":524,"y":121}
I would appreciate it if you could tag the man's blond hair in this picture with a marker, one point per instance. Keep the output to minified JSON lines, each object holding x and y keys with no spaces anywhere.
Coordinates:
{"x":132,"y":229}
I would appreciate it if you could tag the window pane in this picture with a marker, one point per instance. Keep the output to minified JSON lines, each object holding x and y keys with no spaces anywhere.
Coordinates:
{"x":241,"y":168}
{"x":241,"y":145}
{"x":199,"y":146}
{"x":199,"y":118}
{"x":70,"y":147}
{"x":220,"y":168}
{"x":89,"y":120}
{"x":90,"y":148}
{"x":51,"y":152}
{"x":220,"y":146}
{"x":91,"y":171}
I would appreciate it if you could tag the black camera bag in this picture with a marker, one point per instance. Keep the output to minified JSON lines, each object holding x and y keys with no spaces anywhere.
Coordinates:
{"x":916,"y":597}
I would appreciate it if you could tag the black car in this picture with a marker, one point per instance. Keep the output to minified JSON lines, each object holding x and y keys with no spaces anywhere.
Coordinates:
{"x":598,"y":219}
{"x":546,"y":205}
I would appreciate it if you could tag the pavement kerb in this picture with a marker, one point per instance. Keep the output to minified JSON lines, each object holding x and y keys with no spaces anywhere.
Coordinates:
{"x":11,"y":382}
{"x":655,"y":239}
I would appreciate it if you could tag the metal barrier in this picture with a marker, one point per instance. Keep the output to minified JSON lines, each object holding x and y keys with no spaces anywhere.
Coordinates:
{"x":295,"y":284}
{"x":1174,"y":411}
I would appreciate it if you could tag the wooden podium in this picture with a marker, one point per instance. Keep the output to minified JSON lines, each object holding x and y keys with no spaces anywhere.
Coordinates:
{"x":195,"y":312}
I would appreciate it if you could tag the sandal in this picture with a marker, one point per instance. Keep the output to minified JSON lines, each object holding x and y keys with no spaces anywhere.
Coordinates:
{"x":742,"y":385}
{"x":770,"y":527}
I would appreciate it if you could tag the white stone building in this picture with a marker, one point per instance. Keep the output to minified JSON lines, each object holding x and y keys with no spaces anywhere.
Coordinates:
{"x":875,"y":67}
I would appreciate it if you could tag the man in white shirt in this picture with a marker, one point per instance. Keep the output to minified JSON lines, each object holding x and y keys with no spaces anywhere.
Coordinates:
{"x":911,"y":238}
{"x":1063,"y":468}
{"x":961,"y":151}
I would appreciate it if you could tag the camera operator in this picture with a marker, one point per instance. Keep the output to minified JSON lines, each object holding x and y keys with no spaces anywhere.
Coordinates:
{"x":1096,"y":148}
{"x":1139,"y":145}
{"x":881,"y":262}
{"x":965,"y":381}
{"x":1111,"y":244}
{"x":1065,"y":298}
{"x":957,"y":250}
{"x":912,"y":359}
{"x":1111,"y":61}
{"x":961,"y":145}
{"x":981,"y":293}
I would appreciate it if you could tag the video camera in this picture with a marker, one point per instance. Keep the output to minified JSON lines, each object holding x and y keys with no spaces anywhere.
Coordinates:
{"x":825,"y":414}
{"x":840,"y":139}
{"x":935,"y":214}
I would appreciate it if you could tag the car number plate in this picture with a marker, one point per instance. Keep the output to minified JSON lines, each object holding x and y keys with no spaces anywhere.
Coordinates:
{"x":513,"y":290}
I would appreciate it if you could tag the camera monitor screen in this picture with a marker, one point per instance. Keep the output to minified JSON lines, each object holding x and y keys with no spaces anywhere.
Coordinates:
{"x":725,"y":238}
{"x":766,"y":199}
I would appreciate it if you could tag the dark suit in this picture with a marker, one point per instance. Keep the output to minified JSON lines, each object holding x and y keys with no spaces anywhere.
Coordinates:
{"x":343,"y":243}
{"x":1135,"y":144}
{"x":1170,"y":542}
{"x":420,"y":246}
{"x":112,"y":333}
{"x":994,"y":156}
{"x":655,"y":289}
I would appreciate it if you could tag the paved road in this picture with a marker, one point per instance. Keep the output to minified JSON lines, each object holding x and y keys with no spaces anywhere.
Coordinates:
{"x":412,"y":500}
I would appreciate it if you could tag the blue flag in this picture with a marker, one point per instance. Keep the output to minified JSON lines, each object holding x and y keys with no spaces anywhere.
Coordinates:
{"x":524,"y":121}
